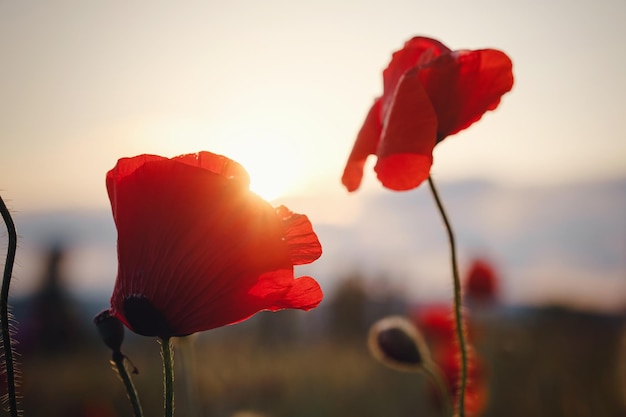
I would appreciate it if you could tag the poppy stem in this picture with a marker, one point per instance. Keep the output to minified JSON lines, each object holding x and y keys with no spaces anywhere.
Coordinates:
{"x":458,"y":317}
{"x":434,"y":373}
{"x":120,"y":366}
{"x":4,"y":309}
{"x":167,"y":354}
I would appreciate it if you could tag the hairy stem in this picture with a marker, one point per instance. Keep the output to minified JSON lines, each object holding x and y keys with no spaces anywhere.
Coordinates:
{"x":4,"y":309}
{"x":120,"y":366}
{"x":168,"y":375}
{"x":458,"y":316}
{"x":434,"y":373}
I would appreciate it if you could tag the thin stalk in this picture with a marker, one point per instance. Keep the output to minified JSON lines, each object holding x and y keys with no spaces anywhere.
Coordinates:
{"x":434,"y":373}
{"x":120,"y":366}
{"x":4,"y":309}
{"x":167,"y":354}
{"x":458,"y":317}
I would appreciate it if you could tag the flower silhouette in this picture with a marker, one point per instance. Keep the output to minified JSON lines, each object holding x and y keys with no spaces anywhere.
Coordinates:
{"x":197,"y":250}
{"x":429,"y":93}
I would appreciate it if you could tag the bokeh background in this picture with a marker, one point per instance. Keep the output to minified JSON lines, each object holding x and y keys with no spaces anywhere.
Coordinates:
{"x":537,"y":187}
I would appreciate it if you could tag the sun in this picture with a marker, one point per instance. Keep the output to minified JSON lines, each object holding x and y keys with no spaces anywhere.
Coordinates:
{"x":279,"y":157}
{"x":269,"y":178}
{"x":271,"y":160}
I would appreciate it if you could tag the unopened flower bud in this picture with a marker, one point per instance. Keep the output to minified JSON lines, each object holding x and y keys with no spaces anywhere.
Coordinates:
{"x":111,"y":330}
{"x":481,"y":283}
{"x":397,"y":343}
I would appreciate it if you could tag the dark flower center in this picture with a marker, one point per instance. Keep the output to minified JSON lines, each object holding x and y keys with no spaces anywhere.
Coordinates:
{"x":144,"y":318}
{"x":399,"y":346}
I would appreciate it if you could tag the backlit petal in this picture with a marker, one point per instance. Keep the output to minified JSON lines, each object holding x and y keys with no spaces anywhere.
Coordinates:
{"x":365,"y":145}
{"x":464,"y":85}
{"x":416,"y":52}
{"x":408,"y":137}
{"x":302,"y":242}
{"x":217,"y":164}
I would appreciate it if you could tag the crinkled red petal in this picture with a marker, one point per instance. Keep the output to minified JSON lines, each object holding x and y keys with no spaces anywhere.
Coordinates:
{"x":408,"y":138}
{"x":463,"y":85}
{"x":271,"y":291}
{"x":302,"y":242}
{"x":416,"y":52}
{"x":365,"y":145}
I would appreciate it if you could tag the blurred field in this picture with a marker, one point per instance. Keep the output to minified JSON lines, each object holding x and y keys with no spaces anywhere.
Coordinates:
{"x":541,"y":362}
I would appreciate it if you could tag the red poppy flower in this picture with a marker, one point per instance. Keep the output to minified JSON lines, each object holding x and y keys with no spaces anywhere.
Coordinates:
{"x":197,"y":250}
{"x":429,"y":93}
{"x":477,"y":390}
{"x":436,"y":321}
{"x":482,"y":281}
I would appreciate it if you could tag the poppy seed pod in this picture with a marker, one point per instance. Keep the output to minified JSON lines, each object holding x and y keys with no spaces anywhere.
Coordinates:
{"x":111,"y":330}
{"x":397,"y":343}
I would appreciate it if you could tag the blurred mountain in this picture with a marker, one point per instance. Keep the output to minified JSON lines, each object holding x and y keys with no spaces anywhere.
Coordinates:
{"x":552,"y":244}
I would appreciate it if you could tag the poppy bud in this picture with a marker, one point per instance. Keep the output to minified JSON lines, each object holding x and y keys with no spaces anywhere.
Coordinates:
{"x":111,"y":330}
{"x":482,"y":281}
{"x":397,"y":343}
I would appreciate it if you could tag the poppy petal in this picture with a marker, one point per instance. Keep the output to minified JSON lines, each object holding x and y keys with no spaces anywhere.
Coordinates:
{"x":302,"y":242}
{"x":416,"y":52}
{"x":217,"y":164}
{"x":365,"y":145}
{"x":463,"y":85}
{"x":269,"y":293}
{"x":123,"y":168}
{"x":304,"y":293}
{"x":408,"y":138}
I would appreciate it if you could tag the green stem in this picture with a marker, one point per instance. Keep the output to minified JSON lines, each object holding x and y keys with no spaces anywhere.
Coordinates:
{"x":168,"y":375}
{"x":118,"y":361}
{"x":434,"y":373}
{"x":458,"y":317}
{"x":4,"y":309}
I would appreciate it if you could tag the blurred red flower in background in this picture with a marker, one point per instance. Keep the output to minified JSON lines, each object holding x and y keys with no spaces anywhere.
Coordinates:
{"x":481,"y":282}
{"x":197,"y":250}
{"x":477,"y":389}
{"x":436,"y":323}
{"x":429,"y":93}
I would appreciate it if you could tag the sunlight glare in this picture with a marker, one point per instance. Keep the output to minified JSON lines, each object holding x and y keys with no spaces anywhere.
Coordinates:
{"x":271,"y":159}
{"x":271,"y":156}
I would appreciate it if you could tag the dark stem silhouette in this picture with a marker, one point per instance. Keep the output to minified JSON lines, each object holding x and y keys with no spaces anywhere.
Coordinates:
{"x":4,"y":309}
{"x":458,"y":316}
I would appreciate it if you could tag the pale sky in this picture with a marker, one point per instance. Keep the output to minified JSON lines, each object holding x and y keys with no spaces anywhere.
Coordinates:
{"x":283,"y":87}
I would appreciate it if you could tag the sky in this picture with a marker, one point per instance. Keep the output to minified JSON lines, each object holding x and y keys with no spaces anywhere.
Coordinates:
{"x":283,"y":87}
